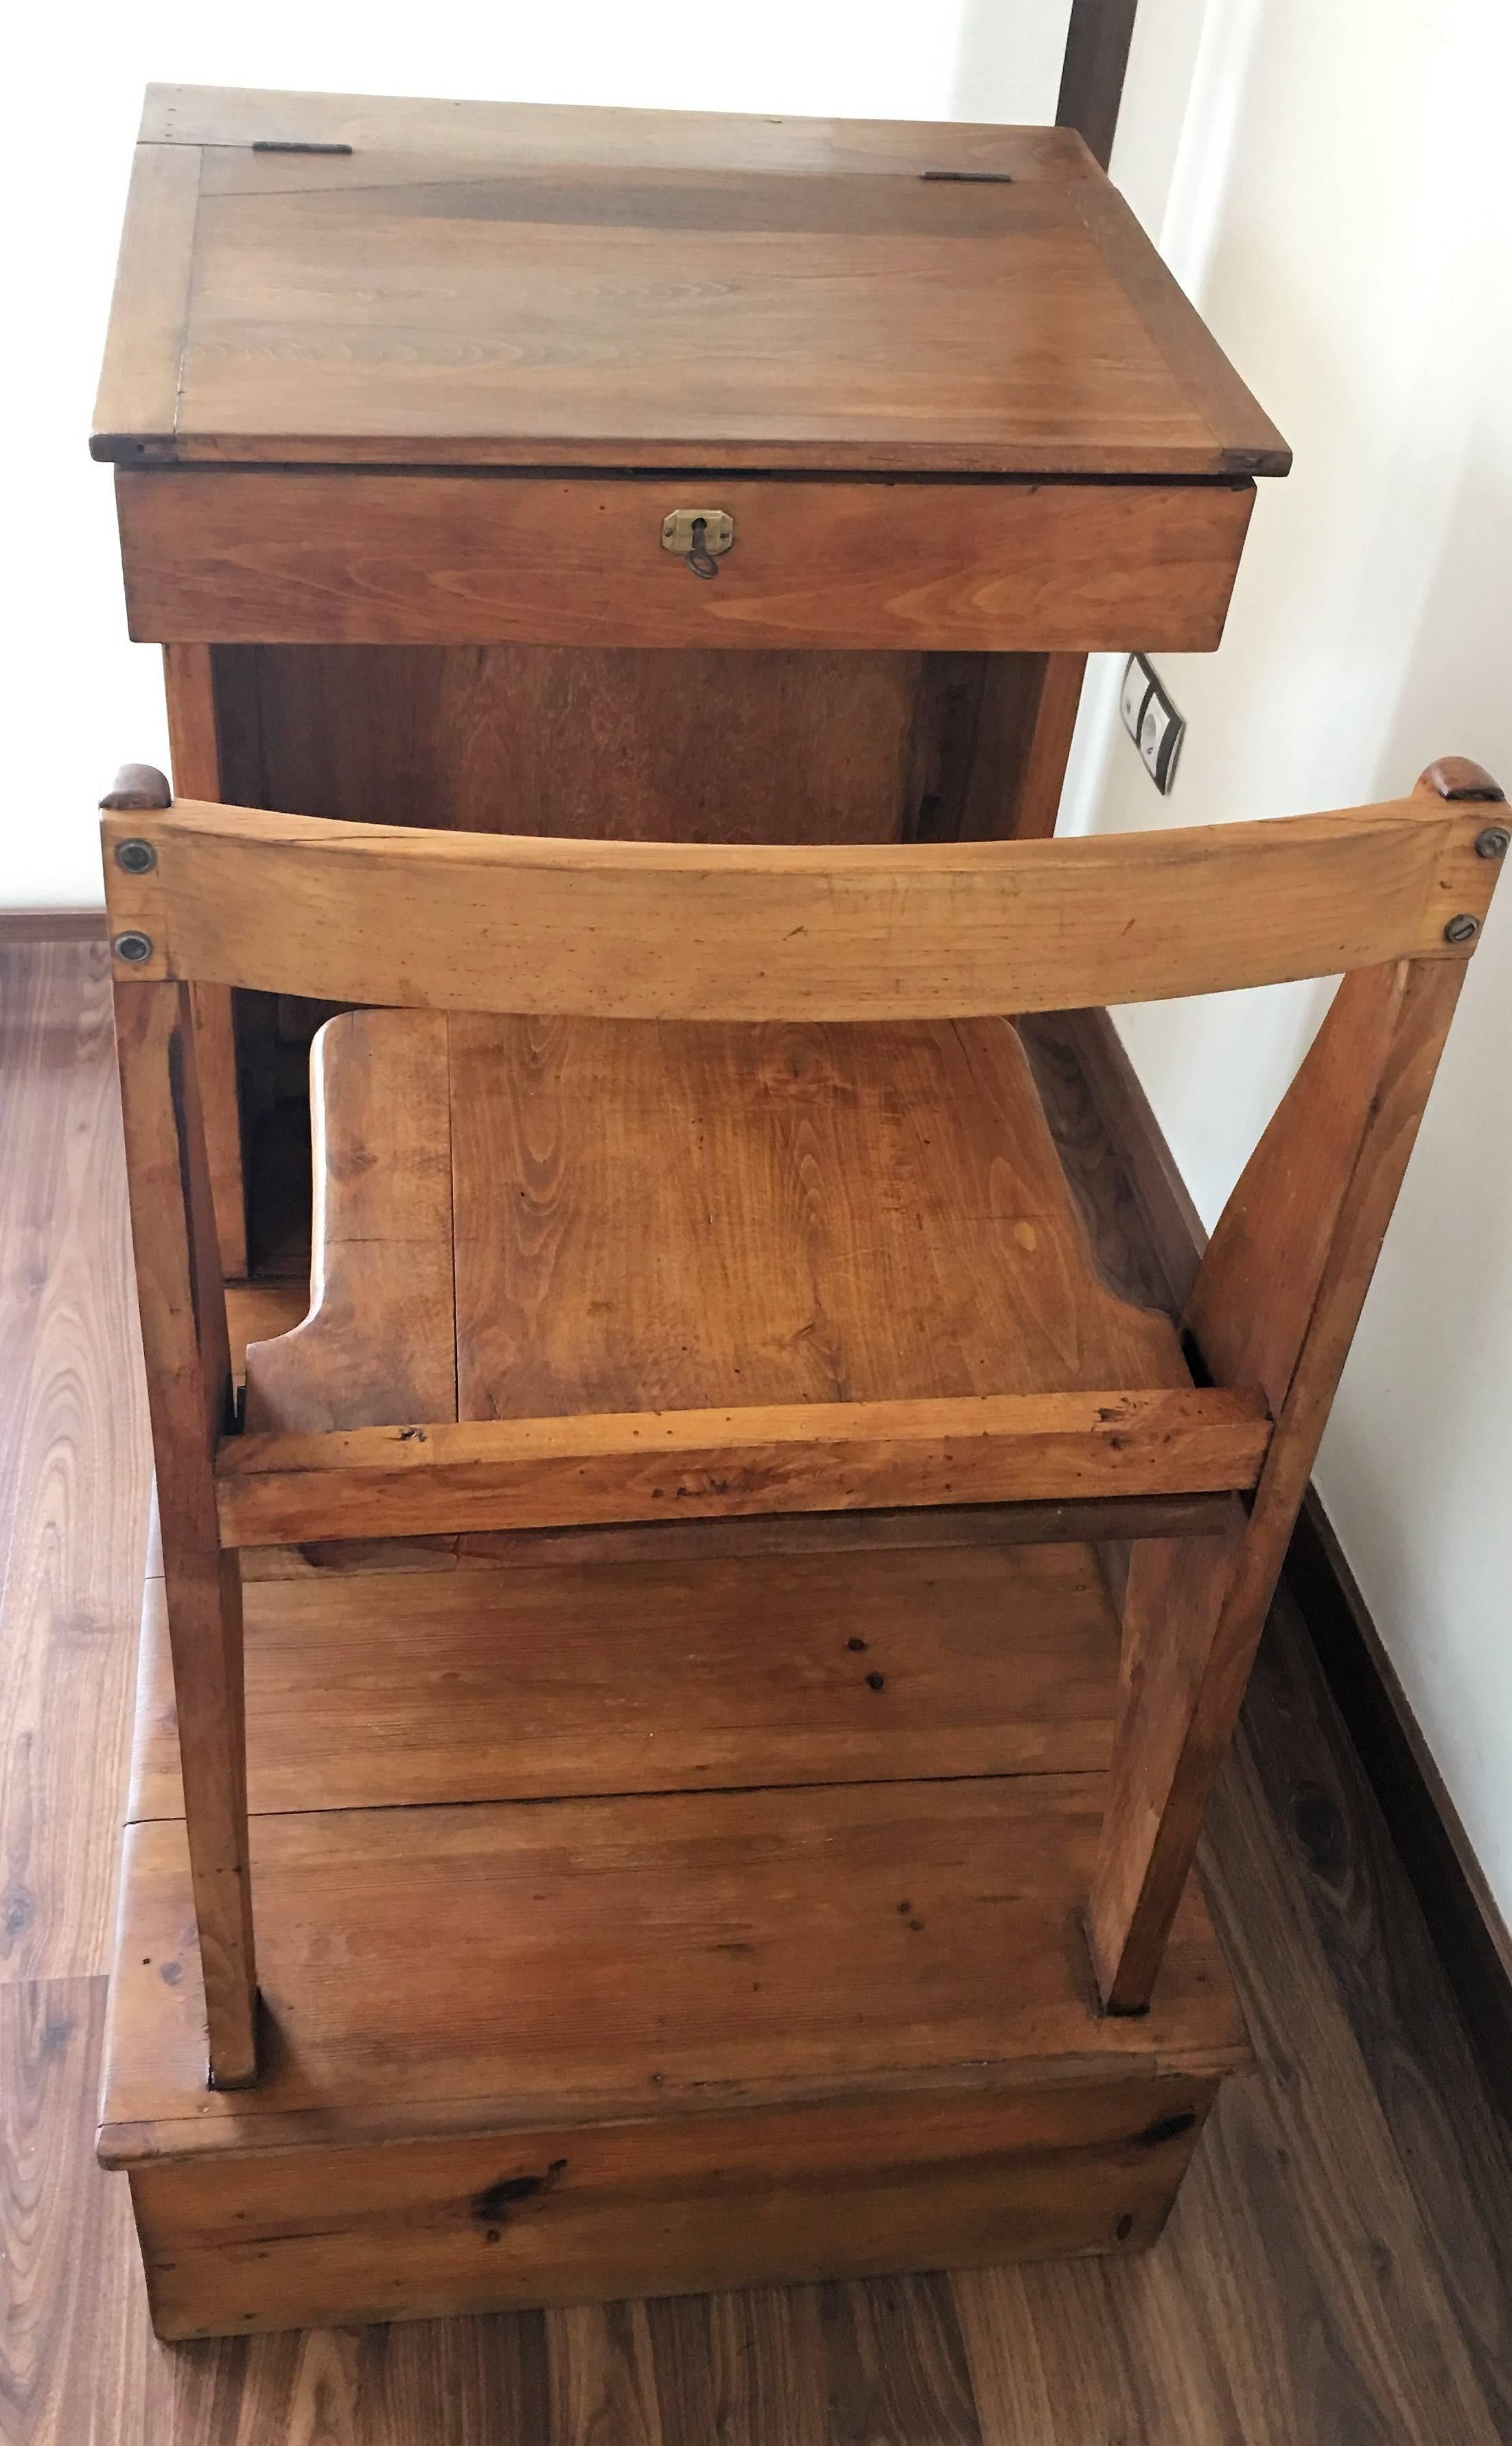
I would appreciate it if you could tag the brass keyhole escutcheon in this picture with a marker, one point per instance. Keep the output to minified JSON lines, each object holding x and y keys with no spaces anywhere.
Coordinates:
{"x":698,"y":536}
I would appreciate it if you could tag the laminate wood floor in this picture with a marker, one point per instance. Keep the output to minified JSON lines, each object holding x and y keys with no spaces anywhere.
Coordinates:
{"x":1335,"y":2273}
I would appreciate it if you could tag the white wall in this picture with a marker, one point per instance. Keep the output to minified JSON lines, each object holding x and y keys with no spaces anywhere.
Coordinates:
{"x":1328,"y":178}
{"x":81,"y":698}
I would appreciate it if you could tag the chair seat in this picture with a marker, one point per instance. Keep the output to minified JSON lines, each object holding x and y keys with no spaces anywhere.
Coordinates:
{"x":525,"y":1218}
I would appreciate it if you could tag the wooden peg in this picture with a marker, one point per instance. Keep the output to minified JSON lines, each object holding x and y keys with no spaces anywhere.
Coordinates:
{"x":1458,"y":777}
{"x":135,"y":789}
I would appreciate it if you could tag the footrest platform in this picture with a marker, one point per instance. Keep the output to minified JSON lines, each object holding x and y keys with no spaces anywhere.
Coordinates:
{"x":730,"y":2007}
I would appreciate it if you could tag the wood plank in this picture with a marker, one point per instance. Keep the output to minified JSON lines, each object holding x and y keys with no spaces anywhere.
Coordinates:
{"x":74,"y":1466}
{"x":1036,"y":798}
{"x":33,"y":1136}
{"x":925,"y":1527}
{"x":509,"y":1684}
{"x":380,"y":1341}
{"x":683,"y":1218}
{"x":644,"y":1957}
{"x":284,"y":2237}
{"x":18,"y":926}
{"x":1027,"y":712}
{"x":603,"y":2381}
{"x":680,"y":1218}
{"x":260,"y":1310}
{"x":190,"y":690}
{"x":137,"y":403}
{"x":706,"y":745}
{"x":1175,"y":327}
{"x":1138,"y":1217}
{"x":78,"y":2362}
{"x":234,"y":557}
{"x":815,"y":1456}
{"x":828,"y":294}
{"x":1256,"y":1285}
{"x":743,"y":2367}
{"x":671,"y":931}
{"x":188,"y":1362}
{"x":474,"y":135}
{"x":922,"y":1526}
{"x":895,"y":2361}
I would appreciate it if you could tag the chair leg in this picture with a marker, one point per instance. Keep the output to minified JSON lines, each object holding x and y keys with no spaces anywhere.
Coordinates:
{"x":185,"y":1346}
{"x":1276,"y":1302}
{"x":205,"y":1635}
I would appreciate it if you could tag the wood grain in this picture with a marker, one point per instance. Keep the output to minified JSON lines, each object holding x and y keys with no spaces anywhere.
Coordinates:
{"x":74,"y":1466}
{"x":78,"y":2361}
{"x":1470,"y":1932}
{"x":1256,"y":1285}
{"x":285,"y":2237}
{"x":185,"y":1345}
{"x":926,"y":1525}
{"x":189,"y":691}
{"x":732,"y":1944}
{"x":680,"y":1218}
{"x":380,"y":1341}
{"x":1253,"y":446}
{"x":895,"y":2360}
{"x":1338,"y":1857}
{"x":813,"y":1456}
{"x":745,"y":2367}
{"x":1183,"y":1704}
{"x":378,"y":915}
{"x":1017,"y":796}
{"x":763,"y":745}
{"x":28,"y":926}
{"x":463,"y":136}
{"x":819,"y":299}
{"x":233,"y":556}
{"x":1394,"y":2358}
{"x":497,"y":1685}
{"x":922,"y":1528}
{"x":138,"y":402}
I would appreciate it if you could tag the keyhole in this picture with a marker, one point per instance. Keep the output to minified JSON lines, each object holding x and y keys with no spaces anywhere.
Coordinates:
{"x":701,"y":560}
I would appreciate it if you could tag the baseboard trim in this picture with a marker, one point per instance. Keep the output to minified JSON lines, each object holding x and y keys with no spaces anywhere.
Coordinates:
{"x":52,"y":925}
{"x":1468,"y":1932}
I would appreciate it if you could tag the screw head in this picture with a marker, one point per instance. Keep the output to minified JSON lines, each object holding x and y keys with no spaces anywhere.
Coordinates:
{"x":1462,"y":930}
{"x":1493,"y":841}
{"x":133,"y":948}
{"x":136,"y":857}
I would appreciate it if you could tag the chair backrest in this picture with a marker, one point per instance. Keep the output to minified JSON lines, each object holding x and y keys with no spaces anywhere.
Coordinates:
{"x":378,"y":915}
{"x":1393,"y":895}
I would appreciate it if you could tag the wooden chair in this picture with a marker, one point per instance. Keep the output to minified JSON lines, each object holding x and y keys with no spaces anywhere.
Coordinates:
{"x":797,"y":1260}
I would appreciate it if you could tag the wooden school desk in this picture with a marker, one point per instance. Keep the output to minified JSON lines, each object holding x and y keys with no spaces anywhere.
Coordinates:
{"x":667,"y":476}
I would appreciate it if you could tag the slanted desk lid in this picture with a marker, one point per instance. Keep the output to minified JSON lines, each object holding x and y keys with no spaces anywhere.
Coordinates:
{"x":319,"y":277}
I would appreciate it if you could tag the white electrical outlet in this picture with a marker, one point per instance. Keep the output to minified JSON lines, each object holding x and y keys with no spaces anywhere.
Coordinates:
{"x":1138,"y":679}
{"x":1151,"y":721}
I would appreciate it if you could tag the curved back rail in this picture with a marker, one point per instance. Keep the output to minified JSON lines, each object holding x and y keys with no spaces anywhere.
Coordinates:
{"x":1395,"y":897}
{"x":378,"y":915}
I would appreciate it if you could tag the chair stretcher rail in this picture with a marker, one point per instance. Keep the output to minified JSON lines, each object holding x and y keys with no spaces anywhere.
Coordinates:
{"x":835,"y":1457}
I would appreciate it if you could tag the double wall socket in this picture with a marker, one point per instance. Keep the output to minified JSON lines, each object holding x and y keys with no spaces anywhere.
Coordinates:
{"x":1151,"y":721}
